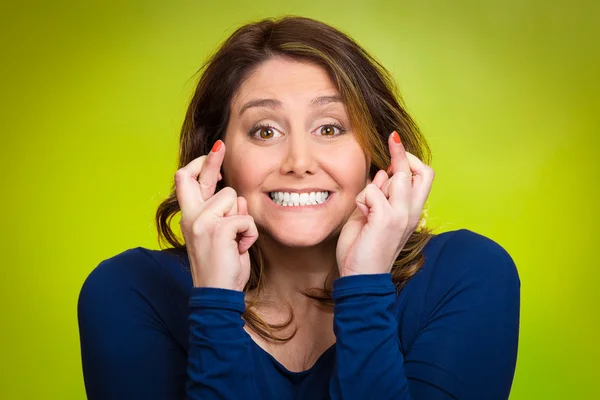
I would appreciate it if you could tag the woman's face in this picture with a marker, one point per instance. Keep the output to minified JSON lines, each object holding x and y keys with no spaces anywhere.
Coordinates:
{"x":289,"y":133}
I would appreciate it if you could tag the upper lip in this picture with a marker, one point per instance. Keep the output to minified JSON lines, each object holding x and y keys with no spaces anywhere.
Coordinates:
{"x":303,"y":190}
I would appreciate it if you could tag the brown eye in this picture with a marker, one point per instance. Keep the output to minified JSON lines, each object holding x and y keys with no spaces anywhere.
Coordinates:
{"x":265,"y":133}
{"x":331,"y":130}
{"x":327,"y":130}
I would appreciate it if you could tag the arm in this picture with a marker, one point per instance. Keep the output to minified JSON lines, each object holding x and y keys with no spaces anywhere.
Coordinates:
{"x":220,"y":364}
{"x":369,"y":363}
{"x":466,"y":350}
{"x":127,"y":351}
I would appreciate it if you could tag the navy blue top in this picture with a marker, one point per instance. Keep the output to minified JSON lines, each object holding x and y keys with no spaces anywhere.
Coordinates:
{"x":451,"y":333}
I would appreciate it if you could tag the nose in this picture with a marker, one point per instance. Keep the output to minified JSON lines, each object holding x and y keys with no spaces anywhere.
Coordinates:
{"x":299,"y":158}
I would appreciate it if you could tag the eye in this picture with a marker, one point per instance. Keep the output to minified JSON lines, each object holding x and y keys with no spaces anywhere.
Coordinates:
{"x":263,"y":132}
{"x":266,"y":132}
{"x":329,"y":130}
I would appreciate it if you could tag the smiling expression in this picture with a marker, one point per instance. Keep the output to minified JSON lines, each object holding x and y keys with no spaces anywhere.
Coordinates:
{"x":292,"y":154}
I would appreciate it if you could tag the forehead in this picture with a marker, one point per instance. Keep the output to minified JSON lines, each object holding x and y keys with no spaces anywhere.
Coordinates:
{"x":286,"y":80}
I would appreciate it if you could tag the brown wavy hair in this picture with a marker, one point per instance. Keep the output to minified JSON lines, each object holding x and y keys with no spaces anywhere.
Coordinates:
{"x":369,"y":93}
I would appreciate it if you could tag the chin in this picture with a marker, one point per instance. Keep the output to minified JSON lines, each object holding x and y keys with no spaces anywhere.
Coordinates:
{"x":300,"y":238}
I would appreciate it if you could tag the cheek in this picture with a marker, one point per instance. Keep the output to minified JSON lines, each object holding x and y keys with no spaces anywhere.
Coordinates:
{"x":246,"y":170}
{"x":351,"y":170}
{"x":359,"y":181}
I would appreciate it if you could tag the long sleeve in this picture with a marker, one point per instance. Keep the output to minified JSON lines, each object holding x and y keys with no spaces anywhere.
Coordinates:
{"x":136,"y":344}
{"x":369,"y":363}
{"x":466,"y":349}
{"x":220,"y":364}
{"x":127,"y":350}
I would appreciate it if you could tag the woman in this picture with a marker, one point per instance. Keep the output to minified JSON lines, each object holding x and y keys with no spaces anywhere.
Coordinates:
{"x":306,"y":272}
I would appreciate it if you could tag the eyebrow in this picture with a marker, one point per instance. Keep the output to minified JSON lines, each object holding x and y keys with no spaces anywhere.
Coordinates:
{"x":274,"y":103}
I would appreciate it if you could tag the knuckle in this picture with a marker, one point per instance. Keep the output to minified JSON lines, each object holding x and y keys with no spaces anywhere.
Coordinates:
{"x":228,"y":191}
{"x":179,"y":176}
{"x":199,"y":227}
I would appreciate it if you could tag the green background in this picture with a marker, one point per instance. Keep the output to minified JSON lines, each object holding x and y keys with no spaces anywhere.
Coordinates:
{"x":93,"y":97}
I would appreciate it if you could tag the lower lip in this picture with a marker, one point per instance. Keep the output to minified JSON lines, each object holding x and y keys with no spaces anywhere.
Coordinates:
{"x":300,"y":208}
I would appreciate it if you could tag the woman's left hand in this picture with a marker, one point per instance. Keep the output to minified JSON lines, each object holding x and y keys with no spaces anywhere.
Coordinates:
{"x":388,"y":211}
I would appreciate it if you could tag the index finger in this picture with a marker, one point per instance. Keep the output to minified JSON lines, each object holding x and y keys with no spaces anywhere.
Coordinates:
{"x":209,"y":173}
{"x":399,"y":162}
{"x":399,"y":185}
{"x":193,"y":183}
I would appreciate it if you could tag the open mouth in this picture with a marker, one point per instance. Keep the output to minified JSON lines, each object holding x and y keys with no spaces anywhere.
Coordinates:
{"x":286,"y":199}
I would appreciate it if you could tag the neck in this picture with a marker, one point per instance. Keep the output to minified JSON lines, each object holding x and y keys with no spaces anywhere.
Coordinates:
{"x":288,"y":271}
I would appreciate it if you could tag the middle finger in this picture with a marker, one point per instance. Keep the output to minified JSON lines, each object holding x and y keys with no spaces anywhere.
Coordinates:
{"x":209,"y":175}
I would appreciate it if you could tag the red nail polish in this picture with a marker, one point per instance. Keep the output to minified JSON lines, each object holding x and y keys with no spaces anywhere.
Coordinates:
{"x":217,"y":146}
{"x":396,"y":137}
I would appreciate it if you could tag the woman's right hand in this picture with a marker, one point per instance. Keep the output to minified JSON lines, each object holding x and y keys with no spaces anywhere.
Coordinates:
{"x":216,"y":227}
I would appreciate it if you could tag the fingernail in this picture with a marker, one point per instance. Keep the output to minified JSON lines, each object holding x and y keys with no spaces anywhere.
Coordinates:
{"x":217,"y":146}
{"x":220,"y":176}
{"x":396,"y":137}
{"x":389,"y":170}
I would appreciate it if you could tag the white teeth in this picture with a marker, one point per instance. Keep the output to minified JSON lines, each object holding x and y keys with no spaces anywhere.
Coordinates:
{"x":319,"y":197}
{"x":286,"y":199}
{"x":295,"y":198}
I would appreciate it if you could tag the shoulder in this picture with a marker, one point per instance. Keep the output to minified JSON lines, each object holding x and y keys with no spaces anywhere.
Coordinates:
{"x":460,"y":266}
{"x":465,"y":275}
{"x":460,"y":254}
{"x":136,"y":273}
{"x":130,"y":265}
